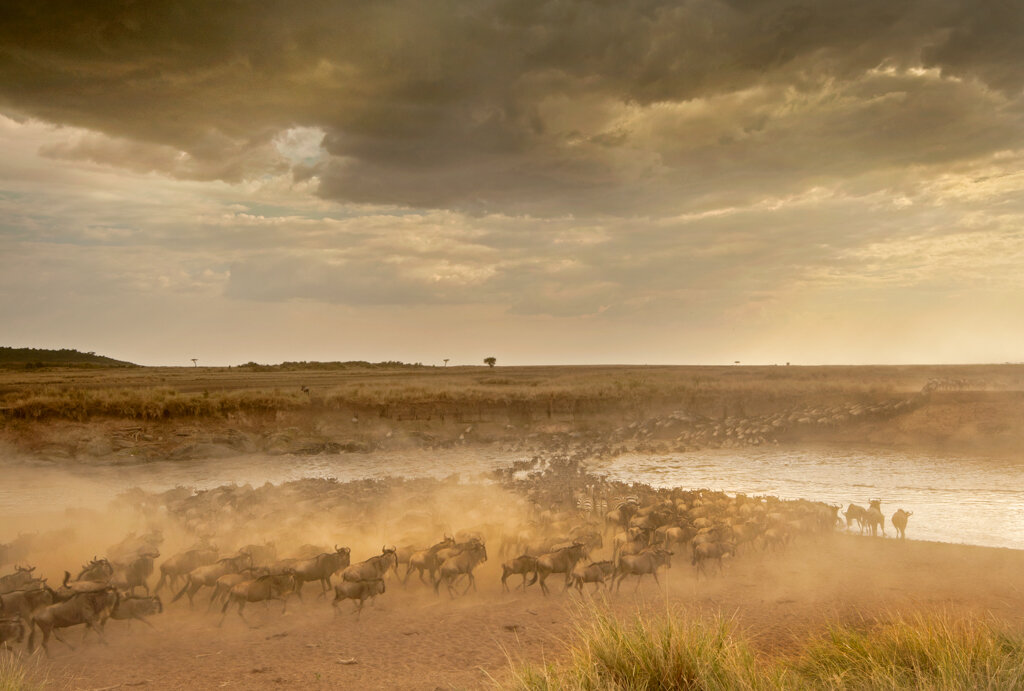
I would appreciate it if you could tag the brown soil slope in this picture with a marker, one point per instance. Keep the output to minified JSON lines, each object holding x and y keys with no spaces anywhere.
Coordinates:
{"x":140,"y":414}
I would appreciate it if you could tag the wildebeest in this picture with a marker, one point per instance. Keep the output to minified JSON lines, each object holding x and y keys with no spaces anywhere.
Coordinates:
{"x":711,"y":550}
{"x":620,"y":515}
{"x":426,"y":560}
{"x":136,"y":573}
{"x":134,"y":546}
{"x":206,"y":576}
{"x":560,"y":561}
{"x":319,"y":568}
{"x":91,"y":609}
{"x":357,"y":590}
{"x":873,"y":518}
{"x":639,"y":565}
{"x":21,"y":577}
{"x":70,"y":588}
{"x":97,"y":571}
{"x":596,"y":572}
{"x":229,"y":580}
{"x":372,"y":568}
{"x":12,"y":629}
{"x":269,"y":587}
{"x":899,"y":521}
{"x":523,"y":565}
{"x":855,"y":513}
{"x":181,"y":564}
{"x":21,"y":603}
{"x":261,"y":554}
{"x":136,"y":607}
{"x":461,"y":565}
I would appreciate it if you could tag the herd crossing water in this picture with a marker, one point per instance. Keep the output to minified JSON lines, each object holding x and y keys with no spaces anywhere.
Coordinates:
{"x":953,"y":498}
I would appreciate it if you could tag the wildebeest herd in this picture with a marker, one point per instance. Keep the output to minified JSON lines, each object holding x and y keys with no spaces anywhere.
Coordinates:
{"x":534,"y":518}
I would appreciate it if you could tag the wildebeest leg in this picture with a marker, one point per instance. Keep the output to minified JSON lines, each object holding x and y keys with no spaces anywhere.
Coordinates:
{"x":143,"y":620}
{"x":56,"y":634}
{"x":655,"y":574}
{"x":213,"y":598}
{"x":241,"y":606}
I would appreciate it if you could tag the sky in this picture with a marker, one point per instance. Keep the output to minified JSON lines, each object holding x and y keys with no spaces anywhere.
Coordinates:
{"x":627,"y":181}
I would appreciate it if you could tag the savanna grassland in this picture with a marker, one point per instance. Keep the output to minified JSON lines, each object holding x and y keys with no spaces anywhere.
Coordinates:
{"x":195,"y":412}
{"x":801,"y":601}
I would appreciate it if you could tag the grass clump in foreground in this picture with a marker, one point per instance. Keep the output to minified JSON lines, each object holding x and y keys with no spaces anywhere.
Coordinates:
{"x":15,"y":673}
{"x":936,"y":652}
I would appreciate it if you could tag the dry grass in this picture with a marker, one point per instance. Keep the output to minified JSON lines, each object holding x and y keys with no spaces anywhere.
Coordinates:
{"x":158,"y":393}
{"x":922,"y":652}
{"x":20,"y":673}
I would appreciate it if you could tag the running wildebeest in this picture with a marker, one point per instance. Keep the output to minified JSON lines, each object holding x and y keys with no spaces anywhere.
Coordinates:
{"x":560,"y":561}
{"x":357,"y":590}
{"x":596,"y":572}
{"x":91,"y":609}
{"x":206,"y":576}
{"x":18,"y":580}
{"x":136,"y":607}
{"x":372,"y":568}
{"x":181,"y":564}
{"x":524,"y":564}
{"x":427,"y":559}
{"x":711,"y":550}
{"x":319,"y":568}
{"x":264,"y":588}
{"x":12,"y":629}
{"x":639,"y":565}
{"x":461,"y":565}
{"x":21,"y":603}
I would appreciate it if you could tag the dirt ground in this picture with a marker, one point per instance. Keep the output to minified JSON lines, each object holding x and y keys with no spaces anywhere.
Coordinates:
{"x":412,"y":639}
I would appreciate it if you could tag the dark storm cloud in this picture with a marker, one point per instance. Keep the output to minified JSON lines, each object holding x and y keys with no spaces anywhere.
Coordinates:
{"x":518,"y":106}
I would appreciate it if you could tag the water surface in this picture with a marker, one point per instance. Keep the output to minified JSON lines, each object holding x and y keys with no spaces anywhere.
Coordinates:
{"x":954,"y":498}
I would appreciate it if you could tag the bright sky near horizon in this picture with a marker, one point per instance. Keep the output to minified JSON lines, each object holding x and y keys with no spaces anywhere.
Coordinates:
{"x":638,"y":181}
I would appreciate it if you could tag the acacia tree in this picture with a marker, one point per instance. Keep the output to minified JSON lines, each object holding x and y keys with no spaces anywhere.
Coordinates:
{"x":490,"y":361}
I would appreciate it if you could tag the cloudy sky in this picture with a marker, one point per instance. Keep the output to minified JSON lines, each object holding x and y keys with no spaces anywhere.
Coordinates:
{"x":630,"y":181}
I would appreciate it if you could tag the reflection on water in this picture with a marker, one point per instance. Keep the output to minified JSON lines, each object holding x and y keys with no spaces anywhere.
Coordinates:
{"x":954,"y":499}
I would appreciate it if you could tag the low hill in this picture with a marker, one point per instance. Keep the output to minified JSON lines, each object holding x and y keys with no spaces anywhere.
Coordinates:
{"x":34,"y":358}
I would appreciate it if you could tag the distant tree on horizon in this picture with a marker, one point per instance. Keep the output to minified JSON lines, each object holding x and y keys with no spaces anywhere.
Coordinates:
{"x":490,"y":361}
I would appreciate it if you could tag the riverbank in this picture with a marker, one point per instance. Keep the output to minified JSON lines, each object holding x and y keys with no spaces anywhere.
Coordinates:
{"x":140,"y":414}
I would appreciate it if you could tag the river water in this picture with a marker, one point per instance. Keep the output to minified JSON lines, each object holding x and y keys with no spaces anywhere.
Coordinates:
{"x":954,"y":498}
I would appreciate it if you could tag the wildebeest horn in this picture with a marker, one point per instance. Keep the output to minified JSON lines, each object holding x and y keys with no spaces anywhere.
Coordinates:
{"x":336,"y":547}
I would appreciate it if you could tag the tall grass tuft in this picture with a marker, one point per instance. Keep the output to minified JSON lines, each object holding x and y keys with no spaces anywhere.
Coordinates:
{"x":665,"y":653}
{"x":938,"y":653}
{"x":15,"y":673}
